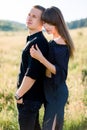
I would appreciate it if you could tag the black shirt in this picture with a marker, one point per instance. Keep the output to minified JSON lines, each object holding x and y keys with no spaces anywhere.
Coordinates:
{"x":33,"y":68}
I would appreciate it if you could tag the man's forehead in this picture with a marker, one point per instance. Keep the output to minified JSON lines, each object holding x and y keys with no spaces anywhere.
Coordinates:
{"x":36,"y":11}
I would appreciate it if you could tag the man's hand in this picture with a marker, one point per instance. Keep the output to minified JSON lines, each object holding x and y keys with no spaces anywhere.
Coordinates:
{"x":20,"y":101}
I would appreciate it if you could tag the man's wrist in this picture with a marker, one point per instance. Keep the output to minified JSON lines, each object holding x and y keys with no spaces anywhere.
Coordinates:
{"x":17,"y":97}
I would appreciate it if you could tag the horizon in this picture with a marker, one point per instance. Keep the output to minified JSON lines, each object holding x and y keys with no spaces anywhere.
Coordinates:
{"x":25,"y":23}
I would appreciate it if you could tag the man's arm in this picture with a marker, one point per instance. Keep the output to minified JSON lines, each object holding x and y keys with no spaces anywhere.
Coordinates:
{"x":27,"y":83}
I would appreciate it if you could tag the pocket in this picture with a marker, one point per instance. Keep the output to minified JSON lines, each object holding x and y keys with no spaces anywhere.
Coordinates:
{"x":20,"y":104}
{"x":20,"y":107}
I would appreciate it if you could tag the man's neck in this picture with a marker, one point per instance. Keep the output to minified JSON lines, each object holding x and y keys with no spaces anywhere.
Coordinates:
{"x":31,"y":33}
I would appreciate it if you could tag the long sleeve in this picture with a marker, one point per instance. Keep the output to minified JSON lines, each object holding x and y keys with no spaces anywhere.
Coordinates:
{"x":60,"y":58}
{"x":35,"y":67}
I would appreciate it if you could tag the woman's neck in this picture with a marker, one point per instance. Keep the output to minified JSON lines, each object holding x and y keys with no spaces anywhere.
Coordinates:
{"x":56,"y":35}
{"x":57,"y":38}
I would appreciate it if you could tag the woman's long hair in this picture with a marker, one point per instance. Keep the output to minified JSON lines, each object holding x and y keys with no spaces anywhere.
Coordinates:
{"x":54,"y":17}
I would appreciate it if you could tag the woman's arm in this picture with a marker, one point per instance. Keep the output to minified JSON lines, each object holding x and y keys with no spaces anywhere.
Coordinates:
{"x":36,"y":53}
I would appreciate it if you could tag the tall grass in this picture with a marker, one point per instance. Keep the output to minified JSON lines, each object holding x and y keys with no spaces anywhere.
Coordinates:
{"x":11,"y":44}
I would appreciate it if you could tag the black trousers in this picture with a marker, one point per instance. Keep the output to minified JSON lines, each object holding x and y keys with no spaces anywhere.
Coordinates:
{"x":28,"y":115}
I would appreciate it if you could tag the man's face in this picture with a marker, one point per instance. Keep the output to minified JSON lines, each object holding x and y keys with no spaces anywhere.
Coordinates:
{"x":33,"y":20}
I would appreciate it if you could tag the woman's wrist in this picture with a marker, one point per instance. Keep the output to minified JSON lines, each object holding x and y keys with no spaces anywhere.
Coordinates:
{"x":41,"y":59}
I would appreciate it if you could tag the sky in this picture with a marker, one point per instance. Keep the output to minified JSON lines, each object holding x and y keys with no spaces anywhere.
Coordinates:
{"x":17,"y":10}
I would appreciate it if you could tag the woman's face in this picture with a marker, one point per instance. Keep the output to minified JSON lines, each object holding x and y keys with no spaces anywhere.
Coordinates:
{"x":51,"y":29}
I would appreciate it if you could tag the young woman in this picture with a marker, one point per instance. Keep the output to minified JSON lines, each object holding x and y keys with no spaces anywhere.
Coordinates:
{"x":61,"y":48}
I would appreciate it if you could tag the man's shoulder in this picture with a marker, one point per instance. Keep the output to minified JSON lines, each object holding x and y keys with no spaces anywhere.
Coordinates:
{"x":42,"y":39}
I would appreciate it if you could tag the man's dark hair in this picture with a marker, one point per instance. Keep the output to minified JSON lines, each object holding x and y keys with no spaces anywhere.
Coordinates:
{"x":39,"y":7}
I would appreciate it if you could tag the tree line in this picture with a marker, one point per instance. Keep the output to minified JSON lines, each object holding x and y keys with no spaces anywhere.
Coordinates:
{"x":6,"y":25}
{"x":77,"y":23}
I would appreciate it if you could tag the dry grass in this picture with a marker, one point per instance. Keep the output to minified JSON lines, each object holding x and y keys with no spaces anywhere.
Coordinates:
{"x":11,"y":45}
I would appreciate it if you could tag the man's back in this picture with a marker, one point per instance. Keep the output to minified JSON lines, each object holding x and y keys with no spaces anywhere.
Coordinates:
{"x":32,"y":68}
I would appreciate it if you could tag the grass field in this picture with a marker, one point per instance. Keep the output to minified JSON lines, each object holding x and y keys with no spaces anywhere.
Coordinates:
{"x":11,"y":44}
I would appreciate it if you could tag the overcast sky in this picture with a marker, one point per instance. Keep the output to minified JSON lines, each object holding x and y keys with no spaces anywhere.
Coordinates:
{"x":17,"y":10}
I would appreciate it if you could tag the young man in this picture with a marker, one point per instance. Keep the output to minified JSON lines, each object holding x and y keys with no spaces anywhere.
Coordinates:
{"x":30,"y":95}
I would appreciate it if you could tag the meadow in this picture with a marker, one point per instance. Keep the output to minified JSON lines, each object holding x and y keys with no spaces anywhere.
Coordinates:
{"x":11,"y":45}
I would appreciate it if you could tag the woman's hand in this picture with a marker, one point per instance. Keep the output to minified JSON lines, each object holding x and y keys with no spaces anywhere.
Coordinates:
{"x":36,"y":53}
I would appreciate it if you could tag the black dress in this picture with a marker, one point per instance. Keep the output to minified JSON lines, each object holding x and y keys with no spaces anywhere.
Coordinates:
{"x":56,"y":91}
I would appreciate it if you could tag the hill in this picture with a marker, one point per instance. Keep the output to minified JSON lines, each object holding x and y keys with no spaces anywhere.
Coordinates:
{"x":6,"y":25}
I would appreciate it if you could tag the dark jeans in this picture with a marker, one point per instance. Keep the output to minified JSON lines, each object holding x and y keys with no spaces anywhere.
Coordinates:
{"x":28,"y":115}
